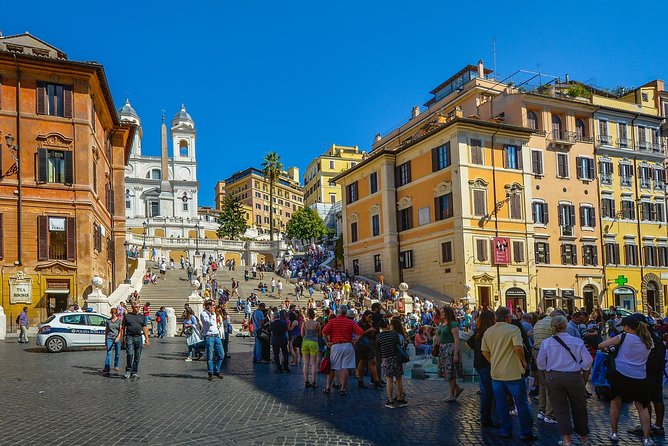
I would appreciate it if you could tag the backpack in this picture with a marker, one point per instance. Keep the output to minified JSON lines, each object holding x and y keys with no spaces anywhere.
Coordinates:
{"x":18,"y":319}
{"x":656,"y":361}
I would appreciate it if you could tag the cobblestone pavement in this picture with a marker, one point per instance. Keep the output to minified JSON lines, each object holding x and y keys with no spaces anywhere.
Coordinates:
{"x":64,"y":399}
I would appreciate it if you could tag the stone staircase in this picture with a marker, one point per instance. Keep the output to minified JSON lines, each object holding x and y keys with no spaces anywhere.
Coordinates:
{"x":171,"y":292}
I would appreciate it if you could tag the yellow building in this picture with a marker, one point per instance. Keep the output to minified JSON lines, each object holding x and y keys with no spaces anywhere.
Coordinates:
{"x":219,"y":194}
{"x":252,"y":190}
{"x":318,"y":184}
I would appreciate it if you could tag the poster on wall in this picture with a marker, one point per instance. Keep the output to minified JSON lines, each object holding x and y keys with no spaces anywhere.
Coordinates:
{"x":20,"y":288}
{"x":501,"y":250}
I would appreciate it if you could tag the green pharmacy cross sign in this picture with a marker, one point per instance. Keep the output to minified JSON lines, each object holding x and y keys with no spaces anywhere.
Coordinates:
{"x":621,"y":280}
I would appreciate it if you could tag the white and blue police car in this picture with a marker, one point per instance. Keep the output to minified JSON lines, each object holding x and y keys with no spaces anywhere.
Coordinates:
{"x":64,"y":330}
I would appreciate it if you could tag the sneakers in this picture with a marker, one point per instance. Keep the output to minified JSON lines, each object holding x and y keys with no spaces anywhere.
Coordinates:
{"x":541,"y":415}
{"x":613,"y":436}
{"x":458,"y":392}
{"x":513,"y":412}
{"x":549,"y":420}
{"x":658,"y":430}
{"x":401,"y":403}
{"x":648,"y":442}
{"x":134,"y":376}
{"x":127,"y":375}
{"x":189,"y":359}
{"x":390,"y":404}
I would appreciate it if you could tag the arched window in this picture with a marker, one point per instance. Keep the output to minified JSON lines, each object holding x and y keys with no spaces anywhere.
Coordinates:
{"x":154,"y":174}
{"x":183,"y":148}
{"x":532,"y":120}
{"x":580,"y":129}
{"x":556,"y":126}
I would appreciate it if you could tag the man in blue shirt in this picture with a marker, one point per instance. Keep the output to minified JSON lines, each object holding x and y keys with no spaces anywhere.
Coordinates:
{"x":573,"y":327}
{"x":23,"y":326}
{"x":161,"y":319}
{"x":258,"y":320}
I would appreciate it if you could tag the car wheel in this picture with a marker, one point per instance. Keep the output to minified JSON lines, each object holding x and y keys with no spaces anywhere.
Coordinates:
{"x":55,"y":344}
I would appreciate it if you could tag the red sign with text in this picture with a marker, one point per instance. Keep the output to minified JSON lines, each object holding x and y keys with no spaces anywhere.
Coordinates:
{"x":501,"y":250}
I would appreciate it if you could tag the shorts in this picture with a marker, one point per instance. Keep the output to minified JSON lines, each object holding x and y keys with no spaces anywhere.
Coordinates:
{"x":310,"y":347}
{"x":629,"y":389}
{"x":342,"y":356}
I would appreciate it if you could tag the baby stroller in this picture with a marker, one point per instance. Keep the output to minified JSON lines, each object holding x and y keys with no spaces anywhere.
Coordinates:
{"x":598,"y":379}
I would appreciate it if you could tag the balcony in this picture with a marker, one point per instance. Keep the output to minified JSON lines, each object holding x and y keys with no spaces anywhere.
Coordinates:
{"x":567,"y":231}
{"x":604,"y":140}
{"x":562,"y":137}
{"x":606,"y":178}
{"x":645,"y":183}
{"x":626,"y":180}
{"x":623,"y":143}
{"x":659,"y":185}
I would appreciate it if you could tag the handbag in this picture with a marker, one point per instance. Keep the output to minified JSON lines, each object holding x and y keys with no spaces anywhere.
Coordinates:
{"x":194,"y":338}
{"x":610,"y":359}
{"x":264,"y":335}
{"x":325,"y":364}
{"x":402,"y":355}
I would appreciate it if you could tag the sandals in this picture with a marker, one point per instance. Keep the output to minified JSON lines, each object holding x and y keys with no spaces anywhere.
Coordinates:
{"x":343,"y":392}
{"x":327,"y":390}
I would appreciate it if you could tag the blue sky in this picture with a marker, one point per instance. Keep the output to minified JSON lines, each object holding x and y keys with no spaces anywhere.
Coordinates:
{"x":296,"y":76}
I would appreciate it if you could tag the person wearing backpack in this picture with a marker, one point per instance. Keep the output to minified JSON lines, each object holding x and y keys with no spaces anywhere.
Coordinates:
{"x":656,"y":363}
{"x":629,"y":381}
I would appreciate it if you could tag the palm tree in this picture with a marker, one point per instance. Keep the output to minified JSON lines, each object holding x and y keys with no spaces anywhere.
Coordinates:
{"x":272,"y":168}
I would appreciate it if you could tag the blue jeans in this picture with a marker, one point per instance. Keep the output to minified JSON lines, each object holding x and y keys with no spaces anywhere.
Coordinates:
{"x":425,"y":348}
{"x":518,"y":389}
{"x":257,"y":349}
{"x":486,"y":395}
{"x":133,"y":348}
{"x":214,"y":347}
{"x":226,"y":342}
{"x":161,"y":329}
{"x":116,"y":346}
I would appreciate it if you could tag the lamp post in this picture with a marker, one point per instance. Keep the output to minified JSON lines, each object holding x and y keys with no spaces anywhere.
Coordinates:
{"x":145,"y":225}
{"x":127,"y":263}
{"x":197,"y":226}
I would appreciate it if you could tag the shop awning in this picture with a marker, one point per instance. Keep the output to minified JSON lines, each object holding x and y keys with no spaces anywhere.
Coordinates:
{"x":57,"y":291}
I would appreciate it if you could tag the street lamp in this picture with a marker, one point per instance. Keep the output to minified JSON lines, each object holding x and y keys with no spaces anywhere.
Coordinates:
{"x":127,"y":263}
{"x":145,"y":225}
{"x":197,"y":226}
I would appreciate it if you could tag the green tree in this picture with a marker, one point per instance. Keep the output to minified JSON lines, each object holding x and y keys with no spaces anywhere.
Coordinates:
{"x":272,"y":168}
{"x":338,"y":252}
{"x":231,"y":221}
{"x":306,"y":224}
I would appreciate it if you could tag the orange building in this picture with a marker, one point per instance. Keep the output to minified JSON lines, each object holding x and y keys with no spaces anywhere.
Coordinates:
{"x":61,"y":223}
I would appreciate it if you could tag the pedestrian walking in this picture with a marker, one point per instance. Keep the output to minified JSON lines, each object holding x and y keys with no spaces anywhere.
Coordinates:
{"x":161,"y":320}
{"x":628,"y":380}
{"x":212,"y":341}
{"x":112,"y":329}
{"x":449,"y":359}
{"x":482,"y":367}
{"x":194,"y":340}
{"x":279,"y":341}
{"x":389,"y":342}
{"x":259,"y":321}
{"x":132,"y":329}
{"x":310,"y":331}
{"x":503,"y":348}
{"x":543,"y":330}
{"x":564,"y":357}
{"x":23,"y":323}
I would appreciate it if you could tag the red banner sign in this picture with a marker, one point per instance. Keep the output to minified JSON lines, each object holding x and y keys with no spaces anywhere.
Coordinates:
{"x":501,"y":250}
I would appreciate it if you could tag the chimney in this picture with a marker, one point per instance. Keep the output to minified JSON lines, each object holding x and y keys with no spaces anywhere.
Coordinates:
{"x":568,"y":79}
{"x":481,"y":69}
{"x":415,"y":112}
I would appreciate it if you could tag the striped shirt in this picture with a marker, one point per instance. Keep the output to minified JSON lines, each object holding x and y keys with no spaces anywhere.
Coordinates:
{"x":387,"y":343}
{"x":541,"y":331}
{"x":340,"y":329}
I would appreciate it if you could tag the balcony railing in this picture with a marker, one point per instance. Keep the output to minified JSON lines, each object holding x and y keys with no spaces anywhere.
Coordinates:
{"x":659,"y":185}
{"x":567,"y":231}
{"x":57,"y":252}
{"x":645,"y":183}
{"x":563,"y":136}
{"x":626,"y":180}
{"x":624,"y":143}
{"x":606,"y":178}
{"x":604,"y":140}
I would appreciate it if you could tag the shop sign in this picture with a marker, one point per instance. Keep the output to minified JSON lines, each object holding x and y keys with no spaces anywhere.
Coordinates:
{"x":501,"y":250}
{"x":20,"y":288}
{"x":567,"y":293}
{"x":57,"y":224}
{"x":550,"y":293}
{"x":516,"y":292}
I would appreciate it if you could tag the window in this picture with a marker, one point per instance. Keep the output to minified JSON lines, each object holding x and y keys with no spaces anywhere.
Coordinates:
{"x":659,"y":212}
{"x":258,"y":220}
{"x":280,"y":202}
{"x":539,"y":210}
{"x":532,"y":120}
{"x":373,"y":182}
{"x":580,"y":129}
{"x":443,"y":206}
{"x":477,"y":156}
{"x":332,"y":198}
{"x":331,"y":164}
{"x":153,"y":208}
{"x":481,"y":250}
{"x":353,"y":232}
{"x":662,"y":255}
{"x":603,"y":136}
{"x":440,"y":157}
{"x":626,"y":174}
{"x":446,"y":252}
{"x":556,"y":127}
{"x":537,"y":162}
{"x":611,"y":253}
{"x":562,"y":165}
{"x":287,"y":215}
{"x":608,"y":208}
{"x":56,"y":238}
{"x":266,"y":208}
{"x":479,"y":203}
{"x":649,"y":255}
{"x":97,"y":238}
{"x":645,"y":176}
{"x":128,"y":204}
{"x":96,"y":321}
{"x":589,"y":255}
{"x":375,"y":225}
{"x":518,"y":252}
{"x":351,"y":191}
{"x":154,"y":174}
{"x":631,"y":254}
{"x":54,"y":166}
{"x":258,"y":195}
{"x":95,"y":177}
{"x":406,"y":259}
{"x":623,"y":140}
{"x":185,"y":206}
{"x":405,"y":219}
{"x":512,"y":157}
{"x":585,"y":168}
{"x":356,"y":267}
{"x":605,"y":171}
{"x":258,"y":206}
{"x":74,"y":319}
{"x":642,"y":137}
{"x":515,"y":206}
{"x":587,"y":217}
{"x":569,"y":254}
{"x":266,"y":220}
{"x":542,"y":252}
{"x":628,"y":209}
{"x":54,"y":99}
{"x":377,"y":266}
{"x":659,"y":179}
{"x":403,"y":174}
{"x":566,"y":215}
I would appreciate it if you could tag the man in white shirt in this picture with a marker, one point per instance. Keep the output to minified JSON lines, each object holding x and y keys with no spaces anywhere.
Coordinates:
{"x":212,"y":340}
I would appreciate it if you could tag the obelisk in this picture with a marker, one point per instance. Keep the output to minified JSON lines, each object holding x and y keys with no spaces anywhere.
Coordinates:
{"x":166,"y":196}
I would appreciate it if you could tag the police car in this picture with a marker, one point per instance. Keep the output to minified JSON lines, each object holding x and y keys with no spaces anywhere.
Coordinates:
{"x":63,"y":330}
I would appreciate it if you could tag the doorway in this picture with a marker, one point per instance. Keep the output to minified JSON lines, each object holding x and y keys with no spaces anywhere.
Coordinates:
{"x":589,"y":296}
{"x":485,"y":297}
{"x":652,"y":297}
{"x":57,"y":303}
{"x":516,"y":298}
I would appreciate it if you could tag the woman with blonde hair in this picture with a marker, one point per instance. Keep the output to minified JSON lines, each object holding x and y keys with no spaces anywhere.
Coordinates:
{"x":629,"y":379}
{"x":564,"y":358}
